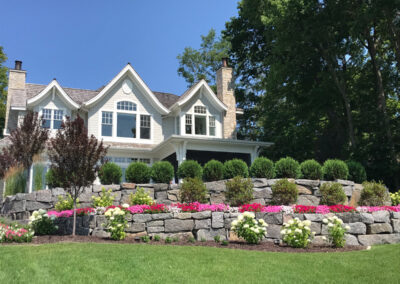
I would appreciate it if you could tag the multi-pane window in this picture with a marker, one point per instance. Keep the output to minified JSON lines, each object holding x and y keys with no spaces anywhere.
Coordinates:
{"x":126,"y":125}
{"x":200,"y":109}
{"x":125,"y":105}
{"x":146,"y":161}
{"x":211,"y":122}
{"x":46,"y":113}
{"x":145,"y":126}
{"x":58,"y":118}
{"x":188,"y":123}
{"x":200,"y":125}
{"x":106,"y":123}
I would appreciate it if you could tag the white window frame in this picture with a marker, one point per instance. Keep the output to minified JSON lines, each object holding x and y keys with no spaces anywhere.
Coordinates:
{"x":52,"y":110}
{"x":191,"y":112}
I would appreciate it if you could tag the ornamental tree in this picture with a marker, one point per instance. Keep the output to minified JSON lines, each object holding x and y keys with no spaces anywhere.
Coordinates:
{"x":6,"y":162}
{"x":75,"y":158}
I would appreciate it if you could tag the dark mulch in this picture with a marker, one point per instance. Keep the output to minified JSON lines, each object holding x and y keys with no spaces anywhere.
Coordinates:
{"x":263,"y":246}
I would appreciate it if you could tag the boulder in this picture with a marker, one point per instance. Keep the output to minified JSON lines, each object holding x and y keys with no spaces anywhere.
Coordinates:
{"x":314,"y":217}
{"x":396,"y":225}
{"x":136,"y":227}
{"x":367,"y":218}
{"x":183,"y":215}
{"x":216,"y":198}
{"x":141,"y":218}
{"x":34,"y":205}
{"x":351,"y":240}
{"x":43,"y":196}
{"x":161,"y":216}
{"x":349,"y":217}
{"x":309,"y":200}
{"x":259,"y":201}
{"x":156,"y":229}
{"x":217,"y":220}
{"x":345,"y":182}
{"x":201,"y":215}
{"x":395,"y":215}
{"x":315,"y":227}
{"x":379,"y":228}
{"x":157,"y":223}
{"x":368,"y":240}
{"x":381,"y":216}
{"x":303,"y":189}
{"x":202,"y":224}
{"x":175,"y":225}
{"x":160,"y":187}
{"x":348,"y":190}
{"x":274,"y":231}
{"x":308,"y":182}
{"x":273,"y":218}
{"x":320,"y":241}
{"x":216,"y":186}
{"x":262,"y":193}
{"x":209,"y":234}
{"x":357,"y":228}
{"x":161,"y":195}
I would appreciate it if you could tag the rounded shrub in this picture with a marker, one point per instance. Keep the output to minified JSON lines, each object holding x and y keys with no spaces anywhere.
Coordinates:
{"x":213,"y":170}
{"x":287,"y":168}
{"x":284,"y":192}
{"x":262,"y":168}
{"x":357,"y":171}
{"x":239,"y":191}
{"x":311,"y":169}
{"x":373,"y":194}
{"x":235,"y":167}
{"x":193,"y":190}
{"x":335,"y":169}
{"x":162,"y":172}
{"x":138,"y":172}
{"x":332,"y":194}
{"x":190,"y":169}
{"x":110,"y":173}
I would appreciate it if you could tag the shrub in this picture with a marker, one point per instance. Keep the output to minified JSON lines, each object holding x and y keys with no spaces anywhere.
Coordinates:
{"x":297,"y":233}
{"x":235,"y":167}
{"x":311,"y":169}
{"x":217,"y":238}
{"x":332,"y":194}
{"x":239,"y":191}
{"x":225,"y":243}
{"x":284,"y":192}
{"x":357,"y":172}
{"x":213,"y":170}
{"x":191,"y":240}
{"x":335,"y":169}
{"x":138,"y":172}
{"x":287,"y":168}
{"x":262,"y":168}
{"x":162,"y":172}
{"x":104,"y":200}
{"x":145,"y":239}
{"x":157,"y":238}
{"x":116,"y":223}
{"x":193,"y":190}
{"x":65,"y":203}
{"x":175,"y":239}
{"x":110,"y":173}
{"x":168,"y":240}
{"x":140,"y":198}
{"x":373,"y":194}
{"x":42,"y":224}
{"x":51,"y":180}
{"x":15,"y":181}
{"x":336,"y":231}
{"x":251,"y":230}
{"x":395,"y":197}
{"x":190,"y":169}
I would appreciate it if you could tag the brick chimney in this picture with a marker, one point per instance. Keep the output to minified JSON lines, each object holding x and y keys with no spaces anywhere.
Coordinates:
{"x":226,"y":93}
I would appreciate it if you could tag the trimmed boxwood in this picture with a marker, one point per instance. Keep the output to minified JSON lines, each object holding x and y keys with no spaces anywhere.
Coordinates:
{"x":335,"y":169}
{"x":357,"y":171}
{"x":213,"y":170}
{"x":287,"y":168}
{"x":162,"y":172}
{"x":262,"y":168}
{"x":332,"y":193}
{"x":311,"y":169}
{"x":110,"y":173}
{"x":373,"y":194}
{"x":138,"y":172}
{"x":190,"y":169}
{"x":284,"y":192}
{"x":235,"y":167}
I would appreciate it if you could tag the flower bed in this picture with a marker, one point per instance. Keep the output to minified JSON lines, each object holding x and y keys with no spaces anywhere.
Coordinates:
{"x":15,"y":233}
{"x":70,"y":213}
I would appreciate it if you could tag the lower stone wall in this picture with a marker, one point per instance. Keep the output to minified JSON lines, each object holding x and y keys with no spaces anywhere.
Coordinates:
{"x":381,"y":227}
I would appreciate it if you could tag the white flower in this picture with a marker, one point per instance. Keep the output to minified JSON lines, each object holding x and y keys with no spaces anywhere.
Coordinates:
{"x":324,"y":238}
{"x":125,"y":205}
{"x":234,"y":223}
{"x":249,"y":214}
{"x":330,"y":225}
{"x":298,"y":231}
{"x":283,"y":232}
{"x":290,"y":222}
{"x":339,"y":221}
{"x":307,"y":223}
{"x":347,"y":227}
{"x":325,"y":221}
{"x":245,"y":226}
{"x":240,"y":217}
{"x":288,"y":231}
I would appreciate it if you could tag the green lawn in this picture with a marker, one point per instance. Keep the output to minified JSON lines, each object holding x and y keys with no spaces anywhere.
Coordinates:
{"x":124,"y":263}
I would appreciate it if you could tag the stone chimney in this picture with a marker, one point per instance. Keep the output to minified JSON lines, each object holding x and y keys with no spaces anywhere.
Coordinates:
{"x":16,"y":82}
{"x":226,"y":93}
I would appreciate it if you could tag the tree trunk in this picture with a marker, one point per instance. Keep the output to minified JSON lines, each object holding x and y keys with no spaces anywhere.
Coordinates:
{"x":74,"y":222}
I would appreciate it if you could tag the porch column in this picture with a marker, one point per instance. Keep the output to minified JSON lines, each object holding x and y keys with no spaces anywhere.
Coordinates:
{"x":180,"y":150}
{"x":31,"y":179}
{"x":254,"y":153}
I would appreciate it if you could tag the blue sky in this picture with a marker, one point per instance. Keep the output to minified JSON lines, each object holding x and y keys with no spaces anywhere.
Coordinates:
{"x":84,"y":44}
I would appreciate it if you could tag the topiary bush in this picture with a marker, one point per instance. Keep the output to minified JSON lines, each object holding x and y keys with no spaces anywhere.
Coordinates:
{"x":373,"y":194}
{"x":213,"y":170}
{"x":193,"y":190}
{"x":332,"y":194}
{"x":311,"y":169}
{"x":235,"y":167}
{"x":335,"y":169}
{"x":239,"y":191}
{"x":138,"y":172}
{"x":262,"y":168}
{"x":110,"y":173}
{"x":357,"y":172}
{"x":284,"y":192}
{"x":190,"y":169}
{"x":287,"y":168}
{"x":162,"y":172}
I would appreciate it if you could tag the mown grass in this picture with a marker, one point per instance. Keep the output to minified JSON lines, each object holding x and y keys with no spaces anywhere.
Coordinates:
{"x":125,"y":263}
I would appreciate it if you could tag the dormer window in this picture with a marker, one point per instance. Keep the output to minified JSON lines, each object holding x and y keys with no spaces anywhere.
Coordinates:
{"x":58,"y":119}
{"x":46,"y":115}
{"x":200,"y":122}
{"x":52,"y":118}
{"x":200,"y":109}
{"x":125,"y":105}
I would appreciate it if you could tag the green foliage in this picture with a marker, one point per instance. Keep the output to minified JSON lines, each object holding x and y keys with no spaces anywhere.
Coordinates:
{"x":42,"y":224}
{"x":287,"y":168}
{"x":15,"y":181}
{"x":65,"y":203}
{"x":203,"y":240}
{"x":311,"y":169}
{"x":51,"y":179}
{"x":357,"y":171}
{"x":235,"y":167}
{"x":297,"y":233}
{"x":191,"y":240}
{"x":140,"y":197}
{"x":225,"y":243}
{"x":3,"y":92}
{"x":168,"y":240}
{"x":217,"y":238}
{"x":284,"y":192}
{"x":193,"y":190}
{"x":190,"y":169}
{"x":335,"y":169}
{"x":248,"y":228}
{"x":145,"y":239}
{"x":38,"y":170}
{"x":175,"y":239}
{"x":332,"y":194}
{"x":373,"y":194}
{"x":262,"y":168}
{"x":162,"y":172}
{"x":138,"y":172}
{"x":156,"y":238}
{"x":116,"y":223}
{"x":395,"y":197}
{"x":110,"y":173}
{"x":104,"y":200}
{"x":239,"y":191}
{"x":336,"y":231}
{"x":213,"y":171}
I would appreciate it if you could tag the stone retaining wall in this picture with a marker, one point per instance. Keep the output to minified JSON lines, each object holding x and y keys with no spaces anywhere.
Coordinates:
{"x":21,"y":205}
{"x":380,"y":227}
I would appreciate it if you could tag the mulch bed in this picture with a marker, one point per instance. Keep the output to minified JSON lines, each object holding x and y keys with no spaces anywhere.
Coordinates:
{"x":263,"y":246}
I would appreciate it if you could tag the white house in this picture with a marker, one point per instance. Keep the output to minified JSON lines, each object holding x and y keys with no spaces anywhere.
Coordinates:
{"x":137,"y":123}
